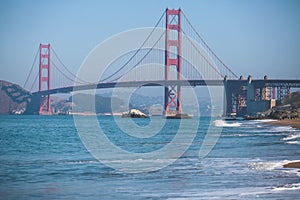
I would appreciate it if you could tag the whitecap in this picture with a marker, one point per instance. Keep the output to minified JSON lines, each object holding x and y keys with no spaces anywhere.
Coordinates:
{"x":283,"y":129}
{"x":222,"y":123}
{"x":274,"y":166}
{"x":293,"y":186}
{"x":265,"y":120}
{"x":293,"y":142}
{"x":271,"y":165}
{"x":292,"y":137}
{"x":77,"y":162}
{"x":268,"y":166}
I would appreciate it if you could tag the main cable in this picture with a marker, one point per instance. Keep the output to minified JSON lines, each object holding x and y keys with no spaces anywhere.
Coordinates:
{"x":131,"y":58}
{"x":206,"y":45}
{"x":81,"y":80}
{"x":29,"y":74}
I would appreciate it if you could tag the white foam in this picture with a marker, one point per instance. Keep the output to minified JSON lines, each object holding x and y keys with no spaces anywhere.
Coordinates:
{"x":268,"y":166}
{"x":255,"y":134}
{"x":271,"y":165}
{"x":294,"y":186}
{"x":293,"y":142}
{"x":292,"y":137}
{"x":283,"y":129}
{"x":265,"y":120}
{"x":78,"y":162}
{"x":222,"y":123}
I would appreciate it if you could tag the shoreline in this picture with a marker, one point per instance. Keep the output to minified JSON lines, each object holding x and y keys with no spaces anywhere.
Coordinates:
{"x":295,"y":123}
{"x":292,"y":165}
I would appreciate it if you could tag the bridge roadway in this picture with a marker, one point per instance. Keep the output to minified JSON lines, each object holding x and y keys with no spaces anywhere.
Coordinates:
{"x":193,"y":83}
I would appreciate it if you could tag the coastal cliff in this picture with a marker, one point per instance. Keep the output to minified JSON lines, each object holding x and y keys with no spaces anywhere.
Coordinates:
{"x":288,"y":108}
{"x":13,"y":98}
{"x":16,"y":100}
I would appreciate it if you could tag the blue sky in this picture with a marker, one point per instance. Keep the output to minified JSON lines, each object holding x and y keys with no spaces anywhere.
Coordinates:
{"x":255,"y":37}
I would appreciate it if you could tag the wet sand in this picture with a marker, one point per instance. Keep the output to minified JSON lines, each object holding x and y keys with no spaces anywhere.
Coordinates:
{"x":295,"y":123}
{"x":292,"y":165}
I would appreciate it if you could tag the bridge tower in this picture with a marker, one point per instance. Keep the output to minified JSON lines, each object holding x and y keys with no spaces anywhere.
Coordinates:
{"x":173,"y":50}
{"x":44,"y":78}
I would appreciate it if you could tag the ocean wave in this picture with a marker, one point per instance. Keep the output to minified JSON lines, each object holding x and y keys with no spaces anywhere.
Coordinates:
{"x":253,"y":134}
{"x":272,"y":129}
{"x":274,"y":166}
{"x":283,"y":129}
{"x":292,"y":137}
{"x":140,"y":160}
{"x":293,"y":142}
{"x":258,"y":125}
{"x":222,"y":123}
{"x":264,"y":120}
{"x":293,"y":186}
{"x":268,"y":166}
{"x":77,"y":162}
{"x":258,"y":122}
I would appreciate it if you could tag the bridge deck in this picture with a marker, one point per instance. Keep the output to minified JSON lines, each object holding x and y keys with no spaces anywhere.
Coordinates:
{"x":193,"y":83}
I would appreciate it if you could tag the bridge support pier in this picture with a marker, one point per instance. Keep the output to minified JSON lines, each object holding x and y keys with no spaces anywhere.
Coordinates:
{"x":250,"y":97}
{"x":235,"y":95}
{"x":259,"y":97}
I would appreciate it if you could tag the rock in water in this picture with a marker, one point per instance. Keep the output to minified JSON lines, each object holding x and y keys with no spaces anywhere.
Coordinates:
{"x":134,"y":113}
{"x":179,"y":116}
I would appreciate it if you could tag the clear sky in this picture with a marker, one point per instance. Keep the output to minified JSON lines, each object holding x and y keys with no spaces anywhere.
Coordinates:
{"x":255,"y":37}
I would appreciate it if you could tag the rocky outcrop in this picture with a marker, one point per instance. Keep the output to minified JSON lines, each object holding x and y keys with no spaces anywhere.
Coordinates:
{"x":179,"y":116}
{"x":134,"y":113}
{"x":286,"y":113}
{"x":289,"y":108}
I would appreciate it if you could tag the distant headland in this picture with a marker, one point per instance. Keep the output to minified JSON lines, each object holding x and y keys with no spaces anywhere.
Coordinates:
{"x":13,"y":98}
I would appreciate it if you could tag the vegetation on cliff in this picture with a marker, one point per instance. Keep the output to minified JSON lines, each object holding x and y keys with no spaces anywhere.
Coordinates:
{"x":13,"y":98}
{"x":289,"y":108}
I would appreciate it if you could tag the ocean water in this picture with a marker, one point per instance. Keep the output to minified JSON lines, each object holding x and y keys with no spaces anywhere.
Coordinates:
{"x":43,"y":157}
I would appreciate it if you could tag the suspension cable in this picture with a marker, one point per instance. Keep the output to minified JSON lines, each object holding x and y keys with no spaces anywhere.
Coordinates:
{"x":29,"y":74}
{"x":142,"y":57}
{"x":66,"y":76}
{"x":214,"y":68}
{"x":147,"y":51}
{"x":131,"y":58}
{"x":210,"y":50}
{"x":192,"y":43}
{"x":83,"y":81}
{"x":33,"y":83}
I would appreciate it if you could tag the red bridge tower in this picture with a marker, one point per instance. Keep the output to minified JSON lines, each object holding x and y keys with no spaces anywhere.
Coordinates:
{"x":173,"y":51}
{"x":44,"y":78}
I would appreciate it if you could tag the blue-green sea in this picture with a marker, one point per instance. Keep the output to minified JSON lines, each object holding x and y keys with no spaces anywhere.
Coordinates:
{"x":44,"y":157}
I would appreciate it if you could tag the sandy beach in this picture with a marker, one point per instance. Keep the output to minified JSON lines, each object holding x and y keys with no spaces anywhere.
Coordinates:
{"x":295,"y":123}
{"x":292,"y":165}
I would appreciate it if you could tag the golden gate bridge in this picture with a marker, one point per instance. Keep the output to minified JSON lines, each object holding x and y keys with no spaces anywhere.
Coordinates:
{"x":186,"y":58}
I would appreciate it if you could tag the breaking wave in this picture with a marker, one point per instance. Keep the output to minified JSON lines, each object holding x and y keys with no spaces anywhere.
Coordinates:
{"x":294,"y":186}
{"x":292,"y":137}
{"x":222,"y":123}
